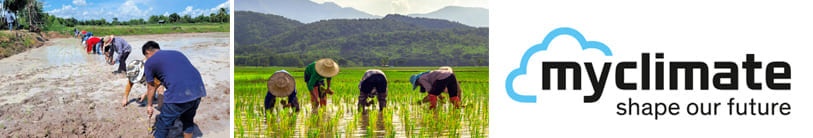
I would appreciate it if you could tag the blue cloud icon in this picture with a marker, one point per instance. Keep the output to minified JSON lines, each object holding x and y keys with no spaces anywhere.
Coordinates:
{"x":509,"y":81}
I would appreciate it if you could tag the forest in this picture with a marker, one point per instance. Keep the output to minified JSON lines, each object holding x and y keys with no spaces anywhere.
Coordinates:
{"x":394,"y":40}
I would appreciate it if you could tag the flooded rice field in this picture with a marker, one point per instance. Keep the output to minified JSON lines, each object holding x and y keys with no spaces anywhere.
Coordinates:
{"x":403,"y":116}
{"x":59,"y":90}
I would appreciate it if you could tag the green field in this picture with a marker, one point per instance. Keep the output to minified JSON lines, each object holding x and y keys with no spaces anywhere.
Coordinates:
{"x":147,"y":29}
{"x":403,"y":117}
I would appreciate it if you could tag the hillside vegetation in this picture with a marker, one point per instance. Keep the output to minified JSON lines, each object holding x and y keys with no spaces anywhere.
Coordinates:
{"x":395,"y":40}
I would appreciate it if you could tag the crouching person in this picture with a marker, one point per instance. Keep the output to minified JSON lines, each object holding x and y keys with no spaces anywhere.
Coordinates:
{"x":135,"y":75}
{"x":435,"y":82}
{"x":373,"y":84}
{"x":184,"y":88}
{"x":281,"y":84}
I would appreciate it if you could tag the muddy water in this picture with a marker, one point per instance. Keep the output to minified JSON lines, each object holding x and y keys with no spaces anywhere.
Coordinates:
{"x":58,"y":90}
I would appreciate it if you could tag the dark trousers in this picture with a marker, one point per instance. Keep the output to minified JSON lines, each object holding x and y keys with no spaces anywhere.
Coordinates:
{"x":123,"y":61}
{"x":270,"y":100}
{"x":449,"y":83}
{"x":377,"y":82}
{"x":173,"y":111}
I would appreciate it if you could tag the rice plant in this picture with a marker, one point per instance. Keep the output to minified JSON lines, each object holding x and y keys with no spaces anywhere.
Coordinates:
{"x":403,"y":116}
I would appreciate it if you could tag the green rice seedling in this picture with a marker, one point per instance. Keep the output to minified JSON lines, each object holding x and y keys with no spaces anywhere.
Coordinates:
{"x":340,"y":118}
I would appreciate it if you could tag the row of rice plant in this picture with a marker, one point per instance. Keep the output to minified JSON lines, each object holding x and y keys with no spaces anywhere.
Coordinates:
{"x":403,"y":117}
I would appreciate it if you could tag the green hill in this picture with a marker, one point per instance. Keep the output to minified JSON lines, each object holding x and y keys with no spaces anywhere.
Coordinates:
{"x":394,"y":40}
{"x":255,"y":27}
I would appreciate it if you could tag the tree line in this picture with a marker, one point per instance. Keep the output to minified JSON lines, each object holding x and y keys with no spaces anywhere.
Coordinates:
{"x":29,"y":13}
{"x":221,"y":16}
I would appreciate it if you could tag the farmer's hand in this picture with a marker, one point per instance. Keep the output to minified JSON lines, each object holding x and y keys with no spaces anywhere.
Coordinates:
{"x":329,"y":91}
{"x":149,"y":111}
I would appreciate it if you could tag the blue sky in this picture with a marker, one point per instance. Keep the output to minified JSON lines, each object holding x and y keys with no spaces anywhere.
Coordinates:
{"x":130,"y":9}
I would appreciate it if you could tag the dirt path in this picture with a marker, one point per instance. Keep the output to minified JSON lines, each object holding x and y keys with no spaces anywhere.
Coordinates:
{"x":58,"y":90}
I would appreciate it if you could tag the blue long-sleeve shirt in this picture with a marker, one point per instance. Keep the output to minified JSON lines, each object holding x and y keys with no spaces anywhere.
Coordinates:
{"x":121,"y":46}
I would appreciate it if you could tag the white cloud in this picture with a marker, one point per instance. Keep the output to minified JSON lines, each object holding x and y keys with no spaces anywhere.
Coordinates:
{"x":66,"y":11}
{"x":79,"y":2}
{"x":400,"y":6}
{"x":124,"y":10}
{"x":130,"y":10}
{"x":222,"y":5}
{"x":190,"y":10}
{"x":216,"y":9}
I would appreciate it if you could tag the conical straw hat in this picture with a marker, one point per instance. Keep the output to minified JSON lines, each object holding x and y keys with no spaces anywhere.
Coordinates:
{"x":327,"y":67}
{"x":281,"y":84}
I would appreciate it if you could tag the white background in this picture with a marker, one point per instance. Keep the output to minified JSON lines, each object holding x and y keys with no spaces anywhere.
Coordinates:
{"x":685,"y":31}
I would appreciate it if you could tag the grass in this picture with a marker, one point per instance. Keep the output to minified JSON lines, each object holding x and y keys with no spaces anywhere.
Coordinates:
{"x":11,"y":44}
{"x":403,"y":117}
{"x":146,"y":29}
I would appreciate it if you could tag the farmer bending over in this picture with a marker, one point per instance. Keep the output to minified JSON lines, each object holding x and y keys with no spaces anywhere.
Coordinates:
{"x":133,"y":70}
{"x":281,"y":84}
{"x":373,"y":84}
{"x":121,"y":47}
{"x":91,"y":43}
{"x":315,"y":75}
{"x":183,"y":83}
{"x":435,"y":82}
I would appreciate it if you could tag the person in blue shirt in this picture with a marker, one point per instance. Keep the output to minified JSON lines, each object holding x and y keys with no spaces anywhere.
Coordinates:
{"x":184,"y":88}
{"x":281,"y":84}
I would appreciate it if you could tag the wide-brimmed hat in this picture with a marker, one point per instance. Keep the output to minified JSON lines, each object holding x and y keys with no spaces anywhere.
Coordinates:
{"x":107,"y":40}
{"x":327,"y":67}
{"x":135,"y":71}
{"x":446,"y":68}
{"x":281,"y":84}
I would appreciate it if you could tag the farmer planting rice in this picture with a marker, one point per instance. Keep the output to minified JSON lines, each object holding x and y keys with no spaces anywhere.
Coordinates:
{"x":281,"y":84}
{"x":86,"y":36}
{"x":183,"y":83}
{"x":435,"y":82}
{"x":120,"y":47}
{"x":316,"y":74}
{"x":80,"y":35}
{"x":373,"y":84}
{"x":91,"y":44}
{"x":135,"y":75}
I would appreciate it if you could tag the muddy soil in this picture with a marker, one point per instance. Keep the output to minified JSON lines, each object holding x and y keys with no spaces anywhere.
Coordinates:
{"x":58,"y":90}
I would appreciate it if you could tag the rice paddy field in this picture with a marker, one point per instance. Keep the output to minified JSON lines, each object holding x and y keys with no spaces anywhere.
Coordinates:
{"x":404,"y":116}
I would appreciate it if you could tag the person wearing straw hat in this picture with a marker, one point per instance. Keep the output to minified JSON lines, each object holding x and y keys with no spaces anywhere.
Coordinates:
{"x":436,"y":82}
{"x":184,"y":88}
{"x":121,"y":47}
{"x":373,"y":84}
{"x":281,"y":84}
{"x":316,"y":74}
{"x":135,"y":75}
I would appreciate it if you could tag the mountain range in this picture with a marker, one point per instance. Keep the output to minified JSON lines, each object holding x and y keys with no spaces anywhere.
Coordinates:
{"x":301,"y":10}
{"x":396,"y":40}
